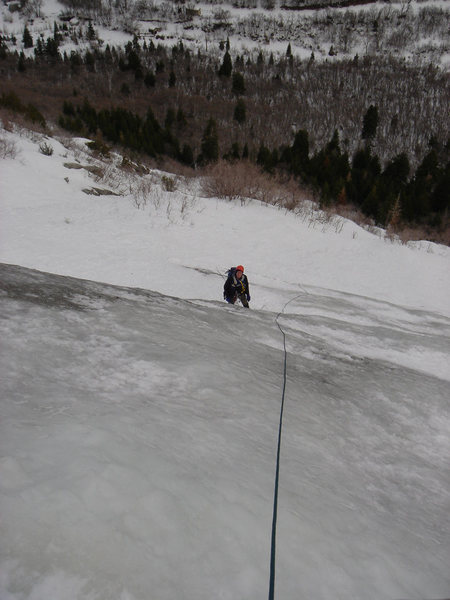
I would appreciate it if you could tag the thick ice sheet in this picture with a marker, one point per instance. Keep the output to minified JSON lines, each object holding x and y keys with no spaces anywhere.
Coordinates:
{"x":138,"y":439}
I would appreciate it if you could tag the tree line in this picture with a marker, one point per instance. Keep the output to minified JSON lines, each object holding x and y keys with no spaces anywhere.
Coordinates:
{"x":282,"y":94}
{"x":385,"y":194}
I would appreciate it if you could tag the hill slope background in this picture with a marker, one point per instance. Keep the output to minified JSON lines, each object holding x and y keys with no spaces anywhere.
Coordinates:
{"x":366,"y":130}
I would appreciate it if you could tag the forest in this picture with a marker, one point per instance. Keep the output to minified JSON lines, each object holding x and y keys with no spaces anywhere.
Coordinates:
{"x":369,"y":132}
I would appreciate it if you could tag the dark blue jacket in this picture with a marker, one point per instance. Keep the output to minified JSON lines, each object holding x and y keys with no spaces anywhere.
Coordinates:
{"x":236,"y":286}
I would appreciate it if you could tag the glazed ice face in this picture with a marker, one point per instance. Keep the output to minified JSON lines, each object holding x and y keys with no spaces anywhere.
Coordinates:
{"x":141,"y":461}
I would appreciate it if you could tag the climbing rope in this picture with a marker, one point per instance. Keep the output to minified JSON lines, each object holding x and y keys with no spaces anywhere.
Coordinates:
{"x":277,"y":470}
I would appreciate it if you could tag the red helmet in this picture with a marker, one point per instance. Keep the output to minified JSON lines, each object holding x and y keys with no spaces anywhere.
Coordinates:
{"x":240,"y":268}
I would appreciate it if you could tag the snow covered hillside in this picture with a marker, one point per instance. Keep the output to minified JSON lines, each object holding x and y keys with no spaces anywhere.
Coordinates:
{"x":415,"y":29}
{"x":180,"y":243}
{"x":138,"y":423}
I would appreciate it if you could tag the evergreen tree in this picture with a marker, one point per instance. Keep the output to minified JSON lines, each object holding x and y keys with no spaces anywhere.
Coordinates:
{"x":21,"y":63}
{"x":89,"y":115}
{"x":210,"y":143}
{"x":266,"y":159}
{"x":275,"y":157}
{"x":68,"y":108}
{"x":172,"y":79}
{"x":134,"y":62}
{"x":396,"y":172}
{"x":391,"y":186}
{"x":135,"y":44}
{"x":370,"y":123}
{"x":56,"y":35}
{"x":170,"y":118}
{"x":51,"y":48}
{"x":122,"y":64}
{"x":91,"y":35}
{"x":27,"y":39}
{"x":139,"y":74}
{"x":187,"y":156}
{"x":329,"y":169}
{"x":416,"y":204}
{"x":363,"y":176}
{"x":235,"y":153}
{"x":238,"y":85}
{"x":107,"y":55}
{"x":39,"y":49}
{"x":89,"y":61}
{"x":3,"y":48}
{"x":240,"y":111}
{"x":181,"y":119}
{"x":440,"y":197}
{"x":150,"y":79}
{"x":369,"y":204}
{"x":75,"y":60}
{"x":298,"y":157}
{"x":125,"y":89}
{"x":227,"y":66}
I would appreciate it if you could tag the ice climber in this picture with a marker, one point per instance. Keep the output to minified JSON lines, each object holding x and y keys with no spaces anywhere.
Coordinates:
{"x":236,"y":286}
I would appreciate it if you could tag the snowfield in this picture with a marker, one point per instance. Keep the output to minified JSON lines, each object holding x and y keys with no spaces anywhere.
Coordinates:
{"x":139,"y":412}
{"x":180,"y":243}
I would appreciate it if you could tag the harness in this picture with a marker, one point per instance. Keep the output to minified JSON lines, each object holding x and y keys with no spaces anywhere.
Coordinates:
{"x":237,"y":283}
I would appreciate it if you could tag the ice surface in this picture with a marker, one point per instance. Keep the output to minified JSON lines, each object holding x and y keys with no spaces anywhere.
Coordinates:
{"x":138,"y":440}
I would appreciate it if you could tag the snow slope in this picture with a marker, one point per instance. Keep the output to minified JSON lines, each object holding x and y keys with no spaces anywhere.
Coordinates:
{"x":138,"y":426}
{"x":181,"y":243}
